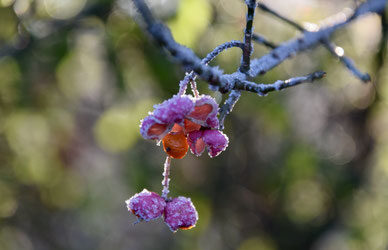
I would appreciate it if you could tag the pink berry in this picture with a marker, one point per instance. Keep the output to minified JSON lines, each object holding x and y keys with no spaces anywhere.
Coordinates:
{"x":146,"y":205}
{"x":180,"y":213}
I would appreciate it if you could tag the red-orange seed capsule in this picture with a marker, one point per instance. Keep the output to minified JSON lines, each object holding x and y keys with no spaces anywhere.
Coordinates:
{"x":191,"y":126}
{"x":175,"y":145}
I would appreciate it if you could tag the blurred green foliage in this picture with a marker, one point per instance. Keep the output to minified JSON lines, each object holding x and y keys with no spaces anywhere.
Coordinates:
{"x":306,"y":168}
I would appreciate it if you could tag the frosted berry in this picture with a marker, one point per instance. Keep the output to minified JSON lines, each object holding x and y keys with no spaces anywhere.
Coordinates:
{"x":146,"y":205}
{"x":180,"y":213}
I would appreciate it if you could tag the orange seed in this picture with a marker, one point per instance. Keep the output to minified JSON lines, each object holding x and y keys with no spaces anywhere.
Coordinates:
{"x":175,"y":145}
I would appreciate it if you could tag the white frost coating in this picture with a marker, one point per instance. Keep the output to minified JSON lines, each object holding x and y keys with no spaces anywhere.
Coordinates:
{"x":146,"y":205}
{"x":166,"y":179}
{"x":180,"y":213}
{"x":221,"y":48}
{"x":277,"y":85}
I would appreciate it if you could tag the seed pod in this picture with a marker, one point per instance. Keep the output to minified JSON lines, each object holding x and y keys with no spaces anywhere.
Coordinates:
{"x":180,"y":213}
{"x":146,"y":205}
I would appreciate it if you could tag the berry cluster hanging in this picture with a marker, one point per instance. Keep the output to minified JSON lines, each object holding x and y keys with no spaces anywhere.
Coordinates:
{"x":181,"y":122}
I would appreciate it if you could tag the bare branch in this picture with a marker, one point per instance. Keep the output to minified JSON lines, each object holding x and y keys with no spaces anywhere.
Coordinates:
{"x":310,"y":39}
{"x":228,"y":106}
{"x":182,"y":54}
{"x":224,"y":83}
{"x":235,"y":95}
{"x":262,"y":40}
{"x":216,"y":51}
{"x":264,"y":7}
{"x":263,"y":89}
{"x":247,"y":51}
{"x":339,"y":53}
{"x":331,"y":47}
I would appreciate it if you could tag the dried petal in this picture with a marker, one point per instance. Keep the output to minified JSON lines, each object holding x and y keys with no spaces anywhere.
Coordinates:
{"x":174,"y":110}
{"x":180,"y":213}
{"x":216,"y":141}
{"x":146,"y":205}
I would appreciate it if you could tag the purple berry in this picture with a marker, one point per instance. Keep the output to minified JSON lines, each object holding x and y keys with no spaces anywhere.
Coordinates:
{"x":146,"y":205}
{"x":216,"y":141}
{"x":180,"y":213}
{"x":174,"y":110}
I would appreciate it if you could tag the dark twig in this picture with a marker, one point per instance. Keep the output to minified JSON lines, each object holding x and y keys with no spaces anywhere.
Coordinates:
{"x":335,"y":50}
{"x":247,"y":51}
{"x":263,"y":89}
{"x":235,"y":95}
{"x":209,"y":57}
{"x":339,"y":53}
{"x":263,"y":7}
{"x":262,"y":40}
{"x":224,"y":83}
{"x":310,"y":39}
{"x":217,"y":50}
{"x":184,"y":55}
{"x":228,"y":106}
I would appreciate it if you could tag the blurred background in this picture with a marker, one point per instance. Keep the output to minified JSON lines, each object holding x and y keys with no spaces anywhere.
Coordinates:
{"x":306,"y":168}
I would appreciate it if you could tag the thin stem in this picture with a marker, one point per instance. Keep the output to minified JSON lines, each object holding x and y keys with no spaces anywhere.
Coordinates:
{"x":263,"y":89}
{"x":339,"y":53}
{"x":166,"y":179}
{"x":262,"y":40}
{"x":263,"y":7}
{"x":247,"y":51}
{"x":183,"y":83}
{"x":220,"y":48}
{"x":235,"y":94}
{"x":194,"y":88}
{"x":228,"y":106}
{"x":190,"y":77}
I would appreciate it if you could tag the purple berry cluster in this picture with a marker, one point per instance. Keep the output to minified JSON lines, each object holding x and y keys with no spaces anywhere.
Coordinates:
{"x":181,"y":123}
{"x":178,"y":213}
{"x":196,"y":116}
